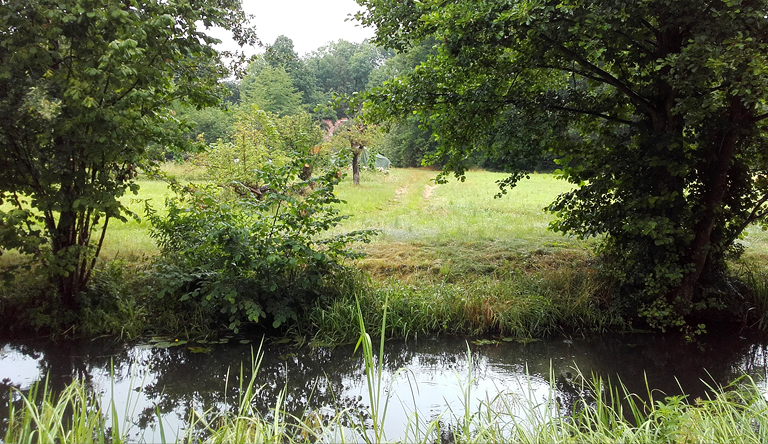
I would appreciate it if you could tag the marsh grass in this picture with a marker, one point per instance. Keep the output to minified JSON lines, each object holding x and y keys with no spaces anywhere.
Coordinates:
{"x":72,"y":416}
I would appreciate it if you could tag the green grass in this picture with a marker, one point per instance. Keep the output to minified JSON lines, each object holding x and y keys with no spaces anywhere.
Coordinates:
{"x":451,"y":258}
{"x":448,"y":226}
{"x":130,"y":239}
{"x":519,"y":306}
{"x":454,"y":226}
{"x":408,"y":206}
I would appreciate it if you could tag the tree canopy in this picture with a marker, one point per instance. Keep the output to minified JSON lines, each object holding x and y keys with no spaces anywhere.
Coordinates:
{"x":85,"y":87}
{"x":655,"y":108}
{"x":270,"y":88}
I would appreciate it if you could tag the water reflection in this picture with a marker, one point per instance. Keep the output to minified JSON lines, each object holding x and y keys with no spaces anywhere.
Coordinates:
{"x":151,"y":384}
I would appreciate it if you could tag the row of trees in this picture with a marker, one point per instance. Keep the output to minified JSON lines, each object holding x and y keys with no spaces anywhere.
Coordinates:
{"x":281,"y":82}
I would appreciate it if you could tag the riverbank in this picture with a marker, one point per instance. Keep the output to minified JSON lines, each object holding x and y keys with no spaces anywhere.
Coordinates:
{"x":450,"y":259}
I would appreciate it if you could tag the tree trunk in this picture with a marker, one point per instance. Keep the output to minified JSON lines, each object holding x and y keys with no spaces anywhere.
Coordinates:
{"x":716,"y":180}
{"x":356,"y":166}
{"x":72,"y":258}
{"x":63,"y":248}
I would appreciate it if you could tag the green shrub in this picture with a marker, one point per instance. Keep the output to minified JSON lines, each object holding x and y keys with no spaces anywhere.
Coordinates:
{"x":262,"y":255}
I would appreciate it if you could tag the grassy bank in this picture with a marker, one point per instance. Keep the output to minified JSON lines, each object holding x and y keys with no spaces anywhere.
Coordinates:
{"x":450,"y":258}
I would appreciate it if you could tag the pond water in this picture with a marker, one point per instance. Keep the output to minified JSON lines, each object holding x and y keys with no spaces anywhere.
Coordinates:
{"x":166,"y":381}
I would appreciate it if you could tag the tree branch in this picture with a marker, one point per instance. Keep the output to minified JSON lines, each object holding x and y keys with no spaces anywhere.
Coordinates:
{"x":594,"y":113}
{"x":754,"y":215}
{"x":604,"y":76}
{"x":636,"y":43}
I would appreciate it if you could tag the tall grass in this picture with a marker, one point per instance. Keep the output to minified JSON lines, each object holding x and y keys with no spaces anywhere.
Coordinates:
{"x":517,"y":306}
{"x":755,"y":278}
{"x":72,"y":416}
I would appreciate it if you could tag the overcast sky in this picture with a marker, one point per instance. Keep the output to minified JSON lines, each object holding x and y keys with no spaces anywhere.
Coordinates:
{"x":309,"y":23}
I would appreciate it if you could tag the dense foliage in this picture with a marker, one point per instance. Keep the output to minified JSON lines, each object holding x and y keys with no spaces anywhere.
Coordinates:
{"x":655,"y":108}
{"x":254,"y":242}
{"x":280,"y":81}
{"x":86,"y":86}
{"x":270,"y":88}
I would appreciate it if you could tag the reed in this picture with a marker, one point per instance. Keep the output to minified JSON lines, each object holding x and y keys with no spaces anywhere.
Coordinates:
{"x":71,"y":416}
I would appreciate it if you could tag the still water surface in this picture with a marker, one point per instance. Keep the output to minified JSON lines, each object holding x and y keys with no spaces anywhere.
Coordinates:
{"x":153,"y":382}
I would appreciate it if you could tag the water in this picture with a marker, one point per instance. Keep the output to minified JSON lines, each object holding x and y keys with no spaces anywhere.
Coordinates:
{"x":153,"y":382}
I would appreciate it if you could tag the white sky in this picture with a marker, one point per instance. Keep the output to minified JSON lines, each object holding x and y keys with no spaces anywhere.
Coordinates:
{"x":309,"y":23}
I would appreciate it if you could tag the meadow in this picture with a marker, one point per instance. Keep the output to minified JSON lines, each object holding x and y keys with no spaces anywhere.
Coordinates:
{"x":458,"y":225}
{"x":448,"y":259}
{"x":406,"y":206}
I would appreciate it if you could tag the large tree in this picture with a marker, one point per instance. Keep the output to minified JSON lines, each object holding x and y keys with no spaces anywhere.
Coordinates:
{"x":281,"y":55}
{"x":343,"y":68}
{"x":655,"y":108}
{"x":85,"y":87}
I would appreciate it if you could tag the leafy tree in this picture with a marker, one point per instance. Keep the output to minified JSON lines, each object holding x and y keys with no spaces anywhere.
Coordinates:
{"x":261,"y":138}
{"x":85,"y":87}
{"x":402,"y":62}
{"x":343,"y":68}
{"x":270,"y":88}
{"x":235,"y":163}
{"x":406,"y":142}
{"x":655,"y":108}
{"x":282,"y":55}
{"x":408,"y":145}
{"x":213,"y":123}
{"x":234,"y":92}
{"x":352,"y":137}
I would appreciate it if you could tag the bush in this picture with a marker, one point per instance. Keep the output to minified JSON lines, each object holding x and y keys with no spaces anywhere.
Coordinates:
{"x":262,"y":255}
